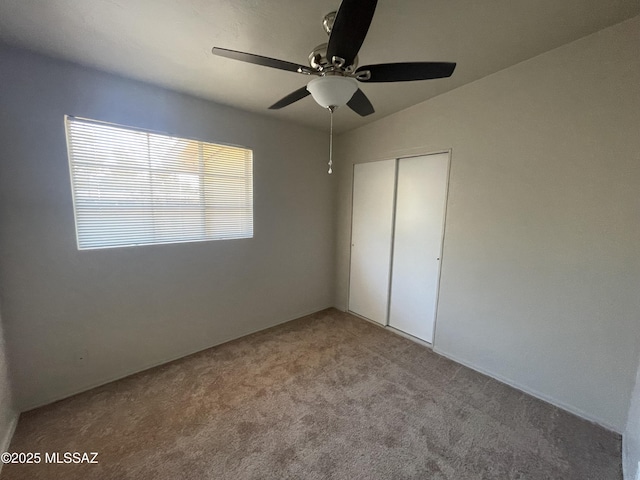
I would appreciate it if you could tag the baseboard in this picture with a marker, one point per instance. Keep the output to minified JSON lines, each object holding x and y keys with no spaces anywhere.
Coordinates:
{"x":8,"y":435}
{"x":625,"y":474}
{"x":533,"y":393}
{"x":629,"y":470}
{"x":41,"y":403}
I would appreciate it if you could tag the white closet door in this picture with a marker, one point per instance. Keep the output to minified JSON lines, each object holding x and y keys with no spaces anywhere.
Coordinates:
{"x":417,"y":248}
{"x":372,"y":223}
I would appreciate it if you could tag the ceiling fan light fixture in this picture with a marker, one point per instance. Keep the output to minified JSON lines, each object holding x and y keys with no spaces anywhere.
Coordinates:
{"x":332,"y":90}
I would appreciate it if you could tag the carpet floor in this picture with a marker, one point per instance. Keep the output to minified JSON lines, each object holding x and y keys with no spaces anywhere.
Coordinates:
{"x":327,"y":396}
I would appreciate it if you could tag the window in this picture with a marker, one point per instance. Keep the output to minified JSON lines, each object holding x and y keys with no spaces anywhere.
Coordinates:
{"x":135,"y":187}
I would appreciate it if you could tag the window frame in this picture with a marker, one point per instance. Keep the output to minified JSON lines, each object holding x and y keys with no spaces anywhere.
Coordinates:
{"x":153,"y":239}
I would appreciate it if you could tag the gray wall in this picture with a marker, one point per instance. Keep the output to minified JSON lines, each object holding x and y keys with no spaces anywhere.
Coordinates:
{"x":8,"y":415}
{"x":541,"y":271}
{"x":631,"y":437}
{"x":76,"y":319}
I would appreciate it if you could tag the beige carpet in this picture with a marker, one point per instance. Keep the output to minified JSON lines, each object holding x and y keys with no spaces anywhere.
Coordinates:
{"x":327,"y":396}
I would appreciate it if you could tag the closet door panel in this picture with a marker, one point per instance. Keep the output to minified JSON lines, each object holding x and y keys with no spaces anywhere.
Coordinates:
{"x":372,"y":223}
{"x":419,"y":224}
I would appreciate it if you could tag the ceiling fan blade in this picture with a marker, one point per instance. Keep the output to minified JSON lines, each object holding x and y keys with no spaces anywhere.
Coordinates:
{"x":260,"y":60}
{"x":291,"y":98}
{"x":360,"y":104}
{"x":407,"y":72}
{"x":350,"y":28}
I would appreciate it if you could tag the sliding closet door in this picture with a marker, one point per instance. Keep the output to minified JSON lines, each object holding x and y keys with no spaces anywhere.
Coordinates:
{"x":372,"y":223}
{"x":419,"y":224}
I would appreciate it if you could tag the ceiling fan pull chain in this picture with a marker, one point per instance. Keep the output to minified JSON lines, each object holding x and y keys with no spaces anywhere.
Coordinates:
{"x":331,"y":142}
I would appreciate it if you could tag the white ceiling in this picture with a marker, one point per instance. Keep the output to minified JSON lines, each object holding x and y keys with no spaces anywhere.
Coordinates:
{"x":168,"y":42}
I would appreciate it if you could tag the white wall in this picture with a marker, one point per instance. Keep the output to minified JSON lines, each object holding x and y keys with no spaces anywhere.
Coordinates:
{"x":541,"y":268}
{"x":8,"y":415}
{"x":631,"y":437}
{"x":75,"y":319}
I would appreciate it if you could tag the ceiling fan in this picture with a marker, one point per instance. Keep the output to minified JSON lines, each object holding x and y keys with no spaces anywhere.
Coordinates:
{"x":335,"y":64}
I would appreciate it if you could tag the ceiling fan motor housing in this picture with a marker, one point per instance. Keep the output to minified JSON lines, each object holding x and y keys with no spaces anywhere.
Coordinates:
{"x":328,"y":21}
{"x":318,"y":59}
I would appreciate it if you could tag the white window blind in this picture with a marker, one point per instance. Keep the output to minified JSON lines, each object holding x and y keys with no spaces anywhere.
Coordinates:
{"x":134,"y":187}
